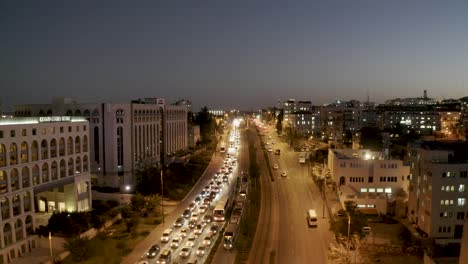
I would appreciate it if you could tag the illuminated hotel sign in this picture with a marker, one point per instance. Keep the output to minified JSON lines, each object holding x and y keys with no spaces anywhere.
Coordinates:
{"x":44,"y":119}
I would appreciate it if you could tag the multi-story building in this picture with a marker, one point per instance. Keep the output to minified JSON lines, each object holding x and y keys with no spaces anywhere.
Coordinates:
{"x":301,"y":122}
{"x":422,"y":119}
{"x":175,"y":129}
{"x":438,"y":189}
{"x":123,"y":135}
{"x":369,"y":179}
{"x":424,"y":100}
{"x":44,"y":167}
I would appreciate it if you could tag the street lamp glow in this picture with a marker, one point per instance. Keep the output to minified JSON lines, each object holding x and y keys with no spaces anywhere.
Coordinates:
{"x":127,"y":187}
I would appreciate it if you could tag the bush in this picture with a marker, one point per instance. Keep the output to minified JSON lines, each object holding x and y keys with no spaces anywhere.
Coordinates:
{"x":121,"y":244}
{"x":78,"y":247}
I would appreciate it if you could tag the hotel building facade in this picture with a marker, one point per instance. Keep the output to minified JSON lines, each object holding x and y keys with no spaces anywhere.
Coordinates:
{"x":44,"y":168}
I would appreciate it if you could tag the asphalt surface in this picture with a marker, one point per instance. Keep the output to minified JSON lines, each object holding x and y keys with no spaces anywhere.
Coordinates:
{"x":138,"y":255}
{"x":228,"y":256}
{"x":283,"y":235}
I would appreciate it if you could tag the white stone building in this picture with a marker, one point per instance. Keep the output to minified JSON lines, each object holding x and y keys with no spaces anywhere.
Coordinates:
{"x":44,"y":168}
{"x":369,"y":179}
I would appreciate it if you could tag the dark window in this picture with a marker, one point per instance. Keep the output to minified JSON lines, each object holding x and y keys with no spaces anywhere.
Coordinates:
{"x":61,"y":129}
{"x":96,"y":144}
{"x":463,"y":174}
{"x":12,"y":133}
{"x":34,"y":131}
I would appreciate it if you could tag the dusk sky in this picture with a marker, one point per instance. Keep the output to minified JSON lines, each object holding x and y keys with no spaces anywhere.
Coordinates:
{"x":232,"y":54}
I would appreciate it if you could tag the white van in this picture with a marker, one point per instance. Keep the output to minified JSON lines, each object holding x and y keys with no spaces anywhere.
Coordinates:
{"x":312,"y":218}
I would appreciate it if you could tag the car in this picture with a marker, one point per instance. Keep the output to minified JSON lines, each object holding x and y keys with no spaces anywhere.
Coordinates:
{"x":199,"y":229}
{"x":187,"y":213}
{"x":200,"y":251}
{"x":219,"y":184}
{"x":191,"y":240}
{"x":192,"y":224}
{"x":166,"y":235}
{"x":275,"y":167}
{"x":203,"y":194}
{"x":165,"y":257}
{"x":183,"y":232}
{"x":212,"y":183}
{"x":192,"y":206}
{"x":207,"y":240}
{"x":366,"y":230}
{"x":225,"y":178}
{"x":185,"y":252}
{"x":194,"y":217}
{"x":284,"y":174}
{"x":216,"y":189}
{"x":214,"y":229}
{"x":179,"y":222}
{"x":213,"y":195}
{"x":207,"y":201}
{"x":207,"y":188}
{"x":207,"y":219}
{"x":197,"y":200}
{"x":153,"y":251}
{"x":202,"y":209}
{"x":176,"y":242}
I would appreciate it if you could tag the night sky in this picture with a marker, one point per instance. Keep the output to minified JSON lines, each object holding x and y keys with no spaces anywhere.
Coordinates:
{"x":232,"y":54}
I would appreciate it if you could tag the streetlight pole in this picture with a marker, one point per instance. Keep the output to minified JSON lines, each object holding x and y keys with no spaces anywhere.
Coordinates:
{"x":349,"y":228}
{"x":162,"y":196}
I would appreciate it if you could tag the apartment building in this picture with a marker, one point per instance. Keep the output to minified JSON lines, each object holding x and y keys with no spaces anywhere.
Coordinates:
{"x":44,"y":168}
{"x":438,"y":189}
{"x":369,"y":179}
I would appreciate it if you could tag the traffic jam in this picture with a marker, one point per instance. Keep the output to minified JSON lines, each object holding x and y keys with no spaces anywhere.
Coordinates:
{"x":193,"y":234}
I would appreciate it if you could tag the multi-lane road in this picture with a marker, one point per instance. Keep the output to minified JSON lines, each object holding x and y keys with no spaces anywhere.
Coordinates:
{"x":138,"y":254}
{"x":283,"y":235}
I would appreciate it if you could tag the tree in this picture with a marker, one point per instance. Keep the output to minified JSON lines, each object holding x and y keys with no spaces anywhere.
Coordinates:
{"x":138,"y":202}
{"x":279,"y":122}
{"x":78,"y":247}
{"x":371,"y":138}
{"x":132,"y":223}
{"x":153,"y":203}
{"x":207,"y":124}
{"x":358,"y":221}
{"x":346,"y":252}
{"x":148,"y":180}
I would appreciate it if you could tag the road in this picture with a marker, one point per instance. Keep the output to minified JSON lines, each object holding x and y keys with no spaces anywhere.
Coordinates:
{"x":228,"y":256}
{"x":154,"y":237}
{"x":283,"y":235}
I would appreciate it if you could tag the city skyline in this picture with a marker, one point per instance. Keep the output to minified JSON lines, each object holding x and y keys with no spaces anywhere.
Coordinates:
{"x":233,"y":55}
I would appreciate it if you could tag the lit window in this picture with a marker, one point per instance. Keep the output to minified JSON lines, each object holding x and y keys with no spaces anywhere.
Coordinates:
{"x":363,"y":189}
{"x":443,"y":188}
{"x":388,"y":190}
{"x":461,"y":188}
{"x":380,"y":190}
{"x":372,"y":190}
{"x":461,"y":201}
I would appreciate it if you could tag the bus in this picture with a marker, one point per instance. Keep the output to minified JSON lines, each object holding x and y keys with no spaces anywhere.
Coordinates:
{"x":230,"y":236}
{"x":220,"y":209}
{"x":312,"y":218}
{"x":302,"y":158}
